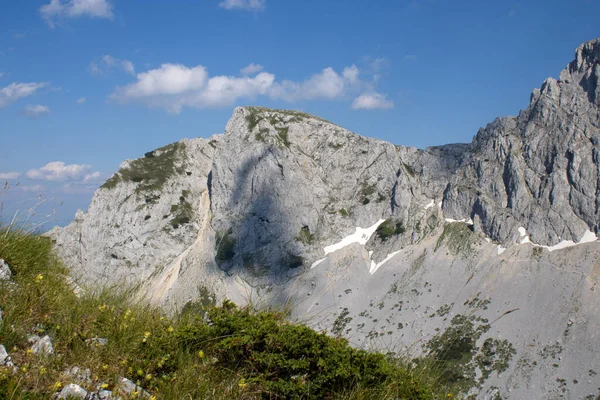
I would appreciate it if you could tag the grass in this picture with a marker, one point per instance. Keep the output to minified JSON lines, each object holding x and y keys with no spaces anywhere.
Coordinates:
{"x":458,"y":238}
{"x":389,"y":228}
{"x":152,"y":171}
{"x":206,"y":351}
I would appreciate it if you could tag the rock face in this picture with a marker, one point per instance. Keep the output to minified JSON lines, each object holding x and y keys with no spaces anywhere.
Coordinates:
{"x":540,"y":169}
{"x":387,"y":245}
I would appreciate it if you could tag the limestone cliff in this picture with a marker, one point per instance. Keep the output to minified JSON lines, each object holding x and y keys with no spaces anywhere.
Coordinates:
{"x":387,"y":245}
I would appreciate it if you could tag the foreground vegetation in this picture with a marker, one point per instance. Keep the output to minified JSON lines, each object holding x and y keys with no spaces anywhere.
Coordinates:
{"x":218,"y":353}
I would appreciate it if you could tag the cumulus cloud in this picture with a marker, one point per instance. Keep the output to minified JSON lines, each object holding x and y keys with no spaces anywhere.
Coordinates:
{"x":35,"y":110}
{"x":18,"y":90}
{"x":81,"y":100}
{"x":58,"y":9}
{"x":9,"y":175}
{"x":250,"y":69}
{"x":69,"y":188}
{"x":247,"y":5}
{"x":175,"y":86}
{"x":372,"y":101}
{"x":107,"y":63}
{"x":59,"y":171}
{"x":327,"y":84}
{"x":33,"y":188}
{"x":94,"y":177}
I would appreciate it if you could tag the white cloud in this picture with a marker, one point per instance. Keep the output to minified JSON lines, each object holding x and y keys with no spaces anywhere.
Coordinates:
{"x":9,"y":175}
{"x":372,"y":101}
{"x":327,"y":84}
{"x":59,"y":171}
{"x":36,"y":110}
{"x":33,"y":188}
{"x":69,"y":188}
{"x":94,"y":177}
{"x":57,"y":9}
{"x":248,"y":5}
{"x":81,"y":100}
{"x":17,"y":90}
{"x":250,"y":69}
{"x":107,"y":63}
{"x":175,"y":86}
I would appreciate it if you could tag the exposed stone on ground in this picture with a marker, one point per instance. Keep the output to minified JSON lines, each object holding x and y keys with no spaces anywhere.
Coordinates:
{"x":128,"y":388}
{"x":3,"y":355}
{"x":72,"y":391}
{"x":5,"y":272}
{"x":41,"y":345}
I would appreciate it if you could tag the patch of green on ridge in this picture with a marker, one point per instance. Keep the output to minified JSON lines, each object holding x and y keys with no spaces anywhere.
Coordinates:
{"x":457,"y":237}
{"x":152,"y":171}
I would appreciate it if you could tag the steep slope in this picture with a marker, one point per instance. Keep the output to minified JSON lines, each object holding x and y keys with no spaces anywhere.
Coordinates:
{"x":538,"y":170}
{"x":285,"y":207}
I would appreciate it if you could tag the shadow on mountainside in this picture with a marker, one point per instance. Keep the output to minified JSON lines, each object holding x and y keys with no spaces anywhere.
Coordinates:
{"x":255,"y":239}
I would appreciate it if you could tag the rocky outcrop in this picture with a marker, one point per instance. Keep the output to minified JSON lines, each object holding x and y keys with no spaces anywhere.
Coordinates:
{"x":354,"y":231}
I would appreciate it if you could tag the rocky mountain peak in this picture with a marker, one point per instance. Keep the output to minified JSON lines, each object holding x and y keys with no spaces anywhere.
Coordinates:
{"x":286,"y":205}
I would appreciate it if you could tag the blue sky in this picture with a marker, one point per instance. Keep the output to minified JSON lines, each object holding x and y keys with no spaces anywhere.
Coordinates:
{"x":85,"y":84}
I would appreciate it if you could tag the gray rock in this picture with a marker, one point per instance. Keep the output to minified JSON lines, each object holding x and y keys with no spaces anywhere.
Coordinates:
{"x":97,"y":341}
{"x":103,"y":395}
{"x":5,"y":272}
{"x":72,"y":391}
{"x":41,"y":345}
{"x":127,"y":387}
{"x":3,"y":355}
{"x":256,"y":207}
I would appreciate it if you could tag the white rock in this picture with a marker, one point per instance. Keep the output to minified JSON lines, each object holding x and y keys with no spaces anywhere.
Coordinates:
{"x":72,"y":391}
{"x":42,"y":345}
{"x":5,"y":272}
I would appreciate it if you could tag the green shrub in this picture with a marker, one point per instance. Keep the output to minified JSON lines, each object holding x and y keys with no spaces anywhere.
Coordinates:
{"x":389,"y":228}
{"x":152,"y":171}
{"x":305,"y":236}
{"x":225,"y":247}
{"x":282,"y":360}
{"x":232,"y":354}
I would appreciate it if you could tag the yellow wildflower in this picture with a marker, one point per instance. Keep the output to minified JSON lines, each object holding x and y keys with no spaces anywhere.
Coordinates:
{"x":57,"y":385}
{"x":242,"y":384}
{"x":39,"y":278}
{"x":201,"y":354}
{"x":148,"y":377}
{"x":140,"y":372}
{"x":104,"y":386}
{"x":105,"y":366}
{"x":29,"y":351}
{"x":170,"y":329}
{"x":102,"y":308}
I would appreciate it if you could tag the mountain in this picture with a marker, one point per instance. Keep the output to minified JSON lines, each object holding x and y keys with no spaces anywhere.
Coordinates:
{"x":490,"y":245}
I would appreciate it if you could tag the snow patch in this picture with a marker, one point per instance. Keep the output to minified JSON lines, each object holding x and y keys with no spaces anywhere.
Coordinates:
{"x":375,"y":267}
{"x":501,"y":249}
{"x":466,"y":221}
{"x":430,"y":204}
{"x":360,"y":236}
{"x":587,"y":237}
